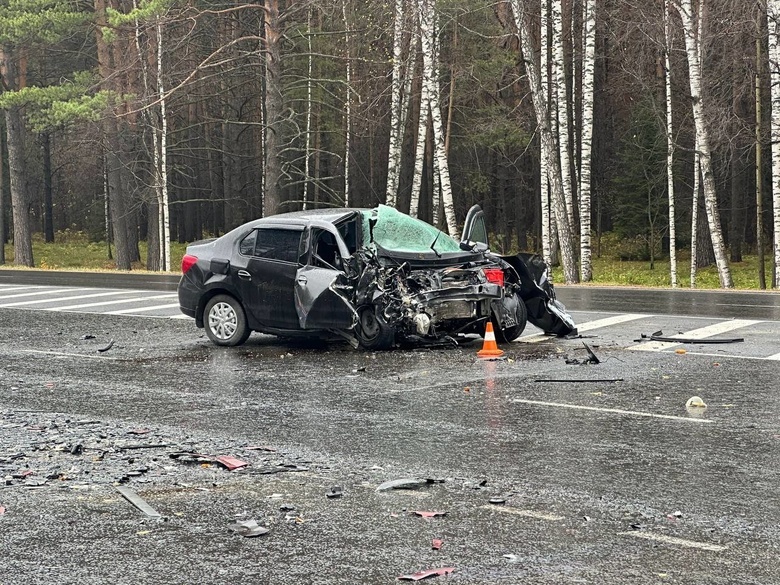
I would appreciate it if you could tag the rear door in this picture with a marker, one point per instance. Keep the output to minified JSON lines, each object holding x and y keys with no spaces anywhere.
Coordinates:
{"x":265,"y":275}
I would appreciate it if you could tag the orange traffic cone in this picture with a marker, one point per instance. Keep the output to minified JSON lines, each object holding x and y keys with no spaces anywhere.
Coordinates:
{"x":489,"y":348}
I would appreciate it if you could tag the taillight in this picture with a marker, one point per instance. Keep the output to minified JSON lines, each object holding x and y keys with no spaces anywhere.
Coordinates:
{"x":187,"y":262}
{"x":494,"y":275}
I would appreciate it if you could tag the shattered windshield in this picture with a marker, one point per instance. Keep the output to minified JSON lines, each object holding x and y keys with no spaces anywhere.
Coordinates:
{"x":399,"y":232}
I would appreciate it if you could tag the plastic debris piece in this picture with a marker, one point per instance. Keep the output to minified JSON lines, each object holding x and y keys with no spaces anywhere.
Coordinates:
{"x":512,"y":558}
{"x":408,"y":483}
{"x":2,"y":510}
{"x":680,"y":351}
{"x":77,"y":449}
{"x":138,"y":502}
{"x":138,"y":431}
{"x":260,"y":448}
{"x":249,"y":528}
{"x":497,"y":501}
{"x":335,"y":492}
{"x":87,"y":336}
{"x":695,"y":402}
{"x":106,"y":348}
{"x":425,"y":514}
{"x":425,"y":574}
{"x":231,"y":463}
{"x":437,"y":543}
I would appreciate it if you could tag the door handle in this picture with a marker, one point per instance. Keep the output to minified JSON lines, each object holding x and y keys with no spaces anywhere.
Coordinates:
{"x":244,"y":275}
{"x":302,"y":280}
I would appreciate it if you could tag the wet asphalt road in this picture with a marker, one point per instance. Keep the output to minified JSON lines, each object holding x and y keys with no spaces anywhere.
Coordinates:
{"x":603,"y":481}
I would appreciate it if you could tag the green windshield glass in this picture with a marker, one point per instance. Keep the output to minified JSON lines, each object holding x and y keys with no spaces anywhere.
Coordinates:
{"x":401,"y":233}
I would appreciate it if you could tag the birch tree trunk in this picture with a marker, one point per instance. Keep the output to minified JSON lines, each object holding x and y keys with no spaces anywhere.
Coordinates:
{"x":710,"y":196}
{"x":3,"y":236}
{"x":430,"y":79}
{"x":670,"y":146}
{"x":759,"y":166}
{"x":419,"y":152}
{"x":561,"y":112}
{"x":543,"y":170}
{"x":588,"y":70}
{"x":161,"y":162}
{"x":773,"y":18}
{"x":347,"y":105}
{"x":548,"y":143}
{"x":309,"y":107}
{"x":396,"y":127}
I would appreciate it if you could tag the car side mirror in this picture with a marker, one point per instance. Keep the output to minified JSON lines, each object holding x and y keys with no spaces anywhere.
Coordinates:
{"x":469,"y":246}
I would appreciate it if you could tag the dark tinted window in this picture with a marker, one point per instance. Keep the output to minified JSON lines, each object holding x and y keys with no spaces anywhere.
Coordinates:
{"x":277,"y":244}
{"x":247,"y":246}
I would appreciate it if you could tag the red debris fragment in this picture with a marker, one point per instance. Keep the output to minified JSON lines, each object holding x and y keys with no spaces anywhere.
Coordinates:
{"x":2,"y":510}
{"x":231,"y":463}
{"x":429,"y":514}
{"x":425,"y":574}
{"x":437,"y":543}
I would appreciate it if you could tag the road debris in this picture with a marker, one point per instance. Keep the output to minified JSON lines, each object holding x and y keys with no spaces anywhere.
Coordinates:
{"x":425,"y":574}
{"x":334,"y":492}
{"x":138,"y":502}
{"x":591,"y":359}
{"x":695,"y":402}
{"x":437,"y":543}
{"x":659,"y":336}
{"x":408,"y":483}
{"x":106,"y":348}
{"x":511,"y":558}
{"x":428,"y":515}
{"x":231,"y":463}
{"x":248,"y":528}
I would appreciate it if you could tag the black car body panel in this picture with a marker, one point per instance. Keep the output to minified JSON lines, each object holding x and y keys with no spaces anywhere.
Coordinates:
{"x":374,"y":276}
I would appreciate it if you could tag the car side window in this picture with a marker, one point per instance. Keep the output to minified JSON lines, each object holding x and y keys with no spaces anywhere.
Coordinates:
{"x":272,"y":243}
{"x":247,"y":245}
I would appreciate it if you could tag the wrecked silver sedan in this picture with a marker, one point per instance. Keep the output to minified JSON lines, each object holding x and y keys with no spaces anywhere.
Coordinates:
{"x":376,"y":277}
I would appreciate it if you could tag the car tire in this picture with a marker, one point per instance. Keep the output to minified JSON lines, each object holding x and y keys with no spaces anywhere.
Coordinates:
{"x":509,"y":334}
{"x":225,"y":321}
{"x":372,"y":330}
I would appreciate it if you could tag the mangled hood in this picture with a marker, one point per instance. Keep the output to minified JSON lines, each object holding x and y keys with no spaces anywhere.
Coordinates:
{"x":392,"y":234}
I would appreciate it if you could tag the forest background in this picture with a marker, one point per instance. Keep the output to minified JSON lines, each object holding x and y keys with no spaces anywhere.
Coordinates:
{"x":630,"y":130}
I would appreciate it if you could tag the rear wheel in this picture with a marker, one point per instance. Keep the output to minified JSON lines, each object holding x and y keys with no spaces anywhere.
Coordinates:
{"x":515,"y":315}
{"x":225,"y":321}
{"x":372,"y":330}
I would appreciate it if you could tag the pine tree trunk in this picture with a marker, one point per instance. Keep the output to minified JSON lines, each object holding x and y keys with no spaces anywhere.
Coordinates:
{"x":274,"y":105}
{"x":708,"y":178}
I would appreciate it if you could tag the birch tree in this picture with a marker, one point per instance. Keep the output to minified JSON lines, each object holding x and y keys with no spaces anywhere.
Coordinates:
{"x":685,"y":8}
{"x":669,"y":145}
{"x":347,"y":104}
{"x":561,"y":112}
{"x":543,"y":170}
{"x":773,"y":20}
{"x":588,"y":89}
{"x":396,"y":128}
{"x":547,"y":141}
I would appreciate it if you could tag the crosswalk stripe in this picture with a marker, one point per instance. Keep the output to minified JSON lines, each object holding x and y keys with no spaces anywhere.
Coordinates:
{"x":60,"y":299}
{"x":139,"y":309}
{"x":39,"y":293}
{"x":590,"y":326}
{"x":115,"y":302}
{"x":701,"y":333}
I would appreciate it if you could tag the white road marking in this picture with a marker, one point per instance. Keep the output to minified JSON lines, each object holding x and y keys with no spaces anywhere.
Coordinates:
{"x":775,"y":357}
{"x":64,"y":354}
{"x":675,"y":541}
{"x":139,"y":309}
{"x":8,"y":288}
{"x":590,"y":326}
{"x":611,"y":410}
{"x":39,"y":293}
{"x":525,"y":513}
{"x":701,"y":333}
{"x":63,"y":299}
{"x":116,"y":302}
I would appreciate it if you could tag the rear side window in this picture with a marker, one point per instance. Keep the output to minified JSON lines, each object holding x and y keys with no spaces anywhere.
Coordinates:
{"x":273,"y":243}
